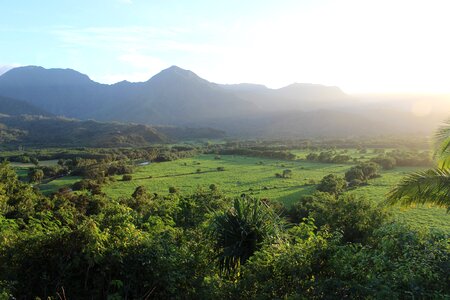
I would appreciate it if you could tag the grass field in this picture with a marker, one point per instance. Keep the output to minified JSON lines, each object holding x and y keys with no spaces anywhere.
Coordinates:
{"x":256,"y":176}
{"x":55,"y":185}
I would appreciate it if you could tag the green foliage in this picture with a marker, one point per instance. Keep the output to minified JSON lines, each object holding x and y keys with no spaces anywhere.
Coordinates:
{"x":127,"y":177}
{"x":285,"y":271}
{"x":430,"y":186}
{"x":165,"y":246}
{"x":332,"y":184}
{"x":241,"y":230}
{"x":35,"y":175}
{"x":386,"y":162}
{"x":355,"y":218}
{"x":442,"y":151}
{"x":397,"y":263}
{"x":362,"y":172}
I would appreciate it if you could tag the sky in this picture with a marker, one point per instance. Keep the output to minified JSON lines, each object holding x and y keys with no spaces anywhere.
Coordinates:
{"x":362,"y":46}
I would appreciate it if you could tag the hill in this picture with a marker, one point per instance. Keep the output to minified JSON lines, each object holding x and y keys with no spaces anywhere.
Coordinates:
{"x":14,"y":107}
{"x":61,"y":132}
{"x":41,"y":131}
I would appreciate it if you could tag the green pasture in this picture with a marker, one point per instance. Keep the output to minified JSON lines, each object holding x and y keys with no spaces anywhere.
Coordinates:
{"x":256,"y":176}
{"x":55,"y":185}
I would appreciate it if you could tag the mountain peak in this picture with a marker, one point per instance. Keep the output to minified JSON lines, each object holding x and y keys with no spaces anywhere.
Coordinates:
{"x":175,"y":73}
{"x":41,"y":75}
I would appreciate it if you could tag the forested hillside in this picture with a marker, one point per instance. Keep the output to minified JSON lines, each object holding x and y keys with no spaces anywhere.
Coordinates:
{"x":40,"y":131}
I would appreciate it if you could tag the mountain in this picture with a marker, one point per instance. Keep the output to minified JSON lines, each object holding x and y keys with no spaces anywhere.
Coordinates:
{"x":297,"y":96}
{"x":58,"y":91}
{"x":174,"y":96}
{"x":9,"y":106}
{"x":178,"y":98}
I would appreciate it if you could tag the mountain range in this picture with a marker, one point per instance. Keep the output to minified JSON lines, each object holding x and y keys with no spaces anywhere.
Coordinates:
{"x":179,"y":97}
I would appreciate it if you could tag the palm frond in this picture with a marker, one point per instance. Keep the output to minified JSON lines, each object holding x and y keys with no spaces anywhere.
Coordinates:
{"x":431,"y":186}
{"x":442,"y":149}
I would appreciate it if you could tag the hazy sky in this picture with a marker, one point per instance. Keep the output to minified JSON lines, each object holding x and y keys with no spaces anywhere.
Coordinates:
{"x":360,"y":46}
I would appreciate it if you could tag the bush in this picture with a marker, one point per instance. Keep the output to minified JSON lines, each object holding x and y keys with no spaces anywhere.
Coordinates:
{"x":355,"y":217}
{"x":332,"y":184}
{"x":363,"y":172}
{"x":387,"y":163}
{"x":173,"y":190}
{"x":127,"y":177}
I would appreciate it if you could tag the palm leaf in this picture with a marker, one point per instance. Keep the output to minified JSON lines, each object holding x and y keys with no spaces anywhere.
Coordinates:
{"x":442,"y":140}
{"x":431,"y":186}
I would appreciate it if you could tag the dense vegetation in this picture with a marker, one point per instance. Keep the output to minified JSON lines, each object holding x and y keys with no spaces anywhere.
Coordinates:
{"x":201,"y":245}
{"x":41,"y":132}
{"x":194,"y":221}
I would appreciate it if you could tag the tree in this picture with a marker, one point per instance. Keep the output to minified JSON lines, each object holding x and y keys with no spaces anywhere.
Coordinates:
{"x":332,"y":184}
{"x":386,"y":162}
{"x":363,"y":172}
{"x":241,"y":230}
{"x":36,"y":175}
{"x":430,"y":186}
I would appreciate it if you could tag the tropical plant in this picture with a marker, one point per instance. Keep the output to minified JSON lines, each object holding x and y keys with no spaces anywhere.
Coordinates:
{"x":241,"y":230}
{"x":430,"y":186}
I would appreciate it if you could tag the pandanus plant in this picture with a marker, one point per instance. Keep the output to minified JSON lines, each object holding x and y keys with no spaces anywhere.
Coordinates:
{"x":241,"y":230}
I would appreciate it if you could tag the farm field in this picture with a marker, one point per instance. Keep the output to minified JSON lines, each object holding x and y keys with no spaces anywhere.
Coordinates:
{"x":22,"y":168}
{"x":256,"y":176}
{"x":55,"y":185}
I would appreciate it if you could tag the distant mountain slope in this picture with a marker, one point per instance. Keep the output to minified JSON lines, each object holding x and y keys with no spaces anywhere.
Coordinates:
{"x":173,"y":96}
{"x":50,"y":132}
{"x":59,"y":91}
{"x":180,"y":98}
{"x":9,"y":106}
{"x":297,"y":96}
{"x":40,"y":131}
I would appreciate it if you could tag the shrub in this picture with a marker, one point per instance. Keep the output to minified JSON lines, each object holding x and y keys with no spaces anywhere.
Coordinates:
{"x":363,"y":172}
{"x":332,"y":184}
{"x":127,"y":177}
{"x":173,"y":190}
{"x":355,"y":217}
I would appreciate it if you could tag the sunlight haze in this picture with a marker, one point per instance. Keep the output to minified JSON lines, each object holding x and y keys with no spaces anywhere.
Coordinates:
{"x":360,"y":46}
